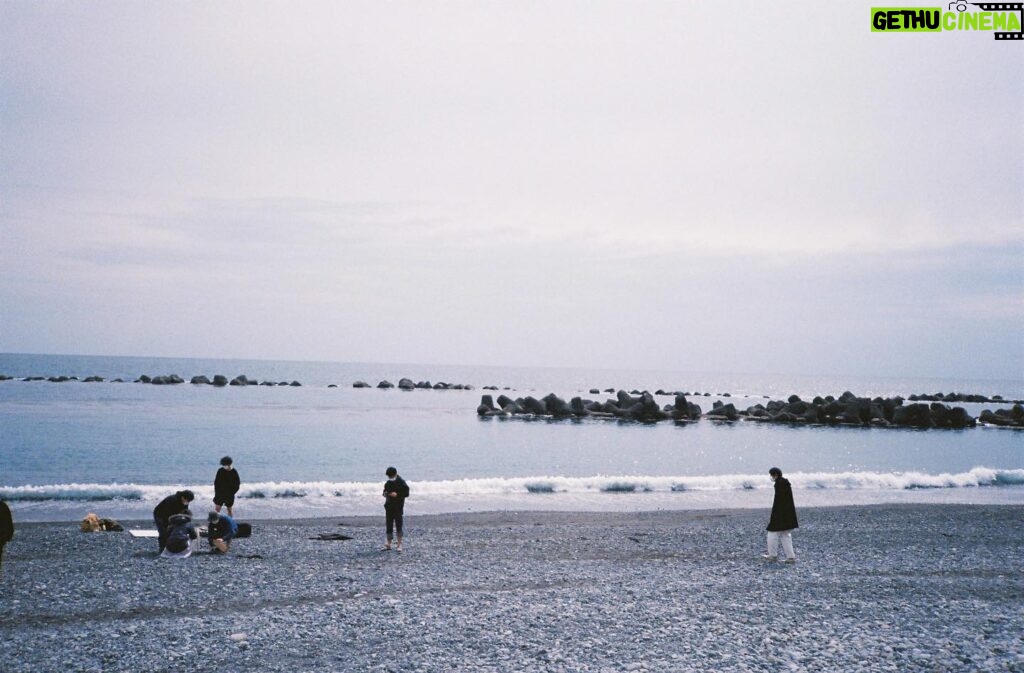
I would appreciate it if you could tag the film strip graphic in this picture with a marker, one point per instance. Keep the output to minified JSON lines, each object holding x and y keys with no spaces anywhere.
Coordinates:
{"x":1005,"y":7}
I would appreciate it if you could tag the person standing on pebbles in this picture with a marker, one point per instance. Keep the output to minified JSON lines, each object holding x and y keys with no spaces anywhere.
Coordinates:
{"x":395,"y":493}
{"x":783,"y":519}
{"x":226,"y":485}
{"x":6,"y":529}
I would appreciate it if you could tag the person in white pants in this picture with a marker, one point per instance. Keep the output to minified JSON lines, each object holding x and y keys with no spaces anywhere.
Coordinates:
{"x":784,"y":536}
{"x":783,"y":519}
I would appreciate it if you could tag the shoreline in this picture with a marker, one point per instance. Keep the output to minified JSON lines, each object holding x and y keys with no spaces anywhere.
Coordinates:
{"x":641,"y":498}
{"x":876,"y":587}
{"x":484,"y":518}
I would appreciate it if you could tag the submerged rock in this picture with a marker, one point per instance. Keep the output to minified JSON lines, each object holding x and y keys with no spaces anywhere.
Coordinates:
{"x":1012,"y":418}
{"x":556,"y":406}
{"x":722,"y":411}
{"x":848,"y":410}
{"x":531,"y":405}
{"x":169,"y":379}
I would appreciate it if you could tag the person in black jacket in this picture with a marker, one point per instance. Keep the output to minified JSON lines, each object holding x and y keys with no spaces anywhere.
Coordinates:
{"x":220,"y":530}
{"x":225,"y":485}
{"x":395,"y":493}
{"x":168,"y":507}
{"x":6,"y":529}
{"x":783,"y":519}
{"x":181,"y":536}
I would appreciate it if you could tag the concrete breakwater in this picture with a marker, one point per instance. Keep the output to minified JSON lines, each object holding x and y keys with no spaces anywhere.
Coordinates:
{"x":219,"y":380}
{"x":848,"y":410}
{"x":407,"y":384}
{"x":923,"y":411}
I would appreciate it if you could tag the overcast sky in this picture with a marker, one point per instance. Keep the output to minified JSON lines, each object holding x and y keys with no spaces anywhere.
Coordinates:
{"x":752,"y":186}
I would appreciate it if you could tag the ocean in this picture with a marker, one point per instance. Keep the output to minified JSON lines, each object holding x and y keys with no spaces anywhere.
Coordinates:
{"x":320,"y":449}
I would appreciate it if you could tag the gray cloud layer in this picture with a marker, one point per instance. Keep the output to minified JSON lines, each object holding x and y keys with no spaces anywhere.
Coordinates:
{"x":763,"y":187}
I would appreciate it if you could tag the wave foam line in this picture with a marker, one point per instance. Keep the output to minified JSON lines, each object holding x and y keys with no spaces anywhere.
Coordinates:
{"x":614,"y":484}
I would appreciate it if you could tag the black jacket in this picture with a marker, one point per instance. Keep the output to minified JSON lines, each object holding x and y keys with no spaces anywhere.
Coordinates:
{"x":6,"y":523}
{"x":180,"y":531}
{"x":168,"y":507}
{"x":783,"y":508}
{"x":226,"y":482}
{"x":397,"y":486}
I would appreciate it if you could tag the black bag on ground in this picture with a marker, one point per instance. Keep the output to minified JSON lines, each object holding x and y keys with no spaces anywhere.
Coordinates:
{"x":244,"y":530}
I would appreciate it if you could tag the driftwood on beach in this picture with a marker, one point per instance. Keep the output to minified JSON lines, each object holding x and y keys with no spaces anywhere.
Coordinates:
{"x":846,"y":410}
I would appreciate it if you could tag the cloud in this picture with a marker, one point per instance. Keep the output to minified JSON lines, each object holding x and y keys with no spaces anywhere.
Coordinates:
{"x":501,"y":183}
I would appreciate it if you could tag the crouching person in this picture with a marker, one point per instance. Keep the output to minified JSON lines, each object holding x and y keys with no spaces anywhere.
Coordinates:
{"x":220,"y":531}
{"x":181,"y":536}
{"x":168,"y":507}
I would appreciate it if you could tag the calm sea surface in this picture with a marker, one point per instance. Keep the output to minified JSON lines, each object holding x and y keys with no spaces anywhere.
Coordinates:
{"x":315,"y":450}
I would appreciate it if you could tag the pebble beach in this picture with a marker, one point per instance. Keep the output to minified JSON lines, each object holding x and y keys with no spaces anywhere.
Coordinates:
{"x":875,"y":588}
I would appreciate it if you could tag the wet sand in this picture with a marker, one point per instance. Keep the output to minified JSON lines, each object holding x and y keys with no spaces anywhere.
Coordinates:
{"x":875,"y":588}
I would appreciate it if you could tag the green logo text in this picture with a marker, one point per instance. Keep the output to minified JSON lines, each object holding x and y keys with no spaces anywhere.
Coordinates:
{"x":933,"y":19}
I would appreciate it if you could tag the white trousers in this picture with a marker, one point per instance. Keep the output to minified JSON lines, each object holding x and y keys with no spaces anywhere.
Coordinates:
{"x":786,"y":536}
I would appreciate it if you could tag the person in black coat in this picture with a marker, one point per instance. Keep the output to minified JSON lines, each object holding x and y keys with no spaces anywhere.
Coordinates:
{"x":395,"y":493}
{"x":783,"y":519}
{"x":168,"y":507}
{"x":6,"y":529}
{"x":226,"y":485}
{"x":181,"y":536}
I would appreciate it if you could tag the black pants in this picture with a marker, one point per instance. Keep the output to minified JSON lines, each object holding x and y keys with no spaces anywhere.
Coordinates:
{"x":162,"y":532}
{"x":393,"y":517}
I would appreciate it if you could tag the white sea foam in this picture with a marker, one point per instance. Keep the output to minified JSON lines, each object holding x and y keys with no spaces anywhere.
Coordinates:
{"x":540,"y":485}
{"x":285,"y":499}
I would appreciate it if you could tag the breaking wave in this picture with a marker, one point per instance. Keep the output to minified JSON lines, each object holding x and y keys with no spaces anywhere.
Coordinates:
{"x":542,"y":486}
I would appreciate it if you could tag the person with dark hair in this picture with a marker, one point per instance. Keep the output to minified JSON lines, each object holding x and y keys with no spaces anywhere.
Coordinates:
{"x":220,"y":531}
{"x":168,"y":507}
{"x":180,"y":536}
{"x":6,"y":529}
{"x":783,"y":518}
{"x":226,"y":485}
{"x":395,"y":493}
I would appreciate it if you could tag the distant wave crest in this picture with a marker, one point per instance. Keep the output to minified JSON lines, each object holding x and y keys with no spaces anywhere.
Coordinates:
{"x":75,"y":492}
{"x":542,"y":486}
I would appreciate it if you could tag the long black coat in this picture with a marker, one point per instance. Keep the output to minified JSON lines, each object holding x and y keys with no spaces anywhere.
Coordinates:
{"x":168,"y":507}
{"x":6,"y":524}
{"x":783,"y":508}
